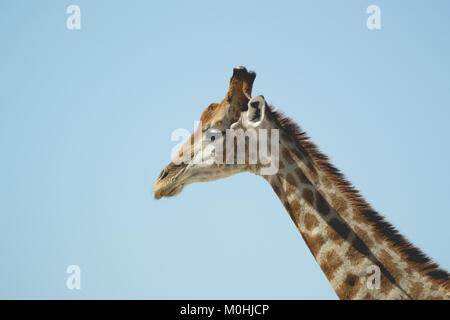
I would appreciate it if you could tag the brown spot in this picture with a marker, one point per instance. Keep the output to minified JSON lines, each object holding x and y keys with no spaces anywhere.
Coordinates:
{"x":311,"y":222}
{"x":417,"y":291}
{"x":333,"y":236}
{"x":322,"y":204}
{"x":291,"y":187}
{"x":295,"y":208}
{"x":409,"y":271}
{"x":326,"y":182}
{"x":277,"y":190}
{"x":339,"y":204}
{"x":314,"y":243}
{"x":331,"y":264}
{"x":308,"y":196}
{"x":349,"y":288}
{"x":293,"y":211}
{"x":280,"y":165}
{"x":434,"y":287}
{"x":377,"y":235}
{"x":295,"y":205}
{"x":359,"y":217}
{"x":302,"y":177}
{"x":287,"y":205}
{"x":354,"y":256}
{"x":385,"y":285}
{"x":287,"y":156}
{"x":283,"y":182}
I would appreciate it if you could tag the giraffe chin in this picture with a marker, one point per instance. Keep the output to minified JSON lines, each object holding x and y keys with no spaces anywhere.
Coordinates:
{"x":158,"y":193}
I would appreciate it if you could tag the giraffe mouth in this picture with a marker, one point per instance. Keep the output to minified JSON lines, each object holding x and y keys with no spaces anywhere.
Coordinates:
{"x":168,"y":186}
{"x":168,"y":191}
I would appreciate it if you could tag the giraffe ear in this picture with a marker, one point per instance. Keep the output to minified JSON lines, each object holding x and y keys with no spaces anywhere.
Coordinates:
{"x":256,"y":111}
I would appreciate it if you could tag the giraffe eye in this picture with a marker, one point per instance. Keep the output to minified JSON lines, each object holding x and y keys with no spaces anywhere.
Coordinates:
{"x":212,"y":134}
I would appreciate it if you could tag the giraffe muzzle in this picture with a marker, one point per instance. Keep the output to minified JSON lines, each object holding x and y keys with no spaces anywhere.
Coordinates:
{"x":167,"y":184}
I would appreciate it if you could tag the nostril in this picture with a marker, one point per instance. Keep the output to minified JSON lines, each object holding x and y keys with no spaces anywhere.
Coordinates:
{"x":163,"y":174}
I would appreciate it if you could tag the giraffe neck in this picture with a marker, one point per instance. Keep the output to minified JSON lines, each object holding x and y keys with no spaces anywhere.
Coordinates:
{"x":346,"y":241}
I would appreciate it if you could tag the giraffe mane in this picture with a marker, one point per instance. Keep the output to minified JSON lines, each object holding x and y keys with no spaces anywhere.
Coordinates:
{"x":390,"y":233}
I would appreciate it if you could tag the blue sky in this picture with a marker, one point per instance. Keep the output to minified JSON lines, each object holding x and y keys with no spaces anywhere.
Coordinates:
{"x":86,"y":118}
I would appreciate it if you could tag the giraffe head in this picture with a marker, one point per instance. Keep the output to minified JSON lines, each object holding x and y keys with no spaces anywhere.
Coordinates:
{"x":220,"y":129}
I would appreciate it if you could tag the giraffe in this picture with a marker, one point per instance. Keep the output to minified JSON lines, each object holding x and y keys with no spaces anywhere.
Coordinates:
{"x":345,"y":235}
